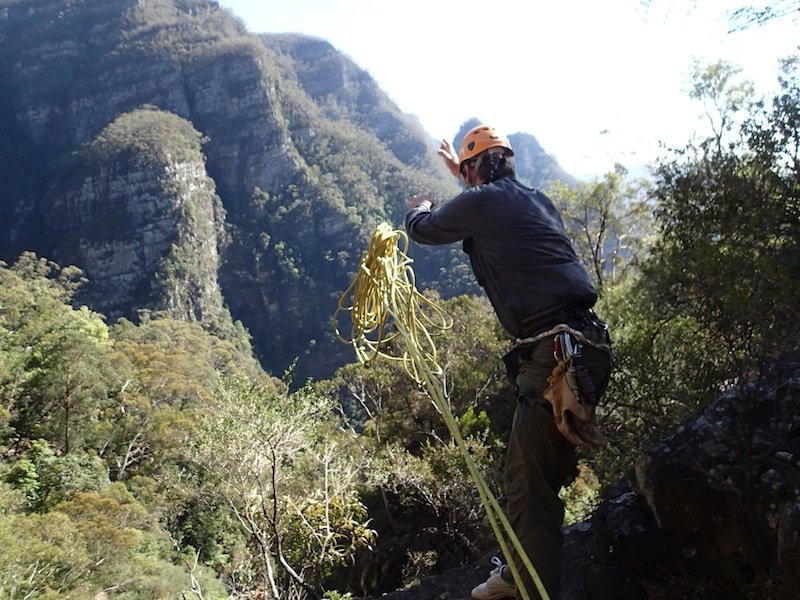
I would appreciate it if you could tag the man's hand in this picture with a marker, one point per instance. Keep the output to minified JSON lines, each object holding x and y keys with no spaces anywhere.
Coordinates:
{"x":420,"y":199}
{"x":448,"y":152}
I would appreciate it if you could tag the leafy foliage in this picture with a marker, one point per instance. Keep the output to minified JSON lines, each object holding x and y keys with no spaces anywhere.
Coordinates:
{"x":55,"y":358}
{"x":731,"y":212}
{"x":609,"y":222}
{"x":148,"y":134}
{"x":156,"y":458}
{"x":47,"y":480}
{"x":97,"y":540}
{"x":718,"y":292}
{"x":289,"y":477}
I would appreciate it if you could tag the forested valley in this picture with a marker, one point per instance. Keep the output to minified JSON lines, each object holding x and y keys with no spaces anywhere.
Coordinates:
{"x":183,"y":203}
{"x":157,"y":460}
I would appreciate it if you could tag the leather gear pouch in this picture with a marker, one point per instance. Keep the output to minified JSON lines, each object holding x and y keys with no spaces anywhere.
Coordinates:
{"x":574,"y":405}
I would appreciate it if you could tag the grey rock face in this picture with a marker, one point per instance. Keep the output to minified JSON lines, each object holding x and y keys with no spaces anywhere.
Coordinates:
{"x":712,"y":510}
{"x":145,"y":225}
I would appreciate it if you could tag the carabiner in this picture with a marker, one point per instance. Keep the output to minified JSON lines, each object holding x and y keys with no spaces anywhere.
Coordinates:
{"x":564,"y":348}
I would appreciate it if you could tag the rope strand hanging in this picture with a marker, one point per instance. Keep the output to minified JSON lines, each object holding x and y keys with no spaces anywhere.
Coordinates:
{"x":384,"y":288}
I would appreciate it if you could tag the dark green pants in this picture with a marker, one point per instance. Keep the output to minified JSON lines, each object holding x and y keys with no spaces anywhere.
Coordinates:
{"x":541,"y":460}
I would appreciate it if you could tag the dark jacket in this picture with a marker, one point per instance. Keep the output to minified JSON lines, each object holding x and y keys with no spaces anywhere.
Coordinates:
{"x":517,"y":246}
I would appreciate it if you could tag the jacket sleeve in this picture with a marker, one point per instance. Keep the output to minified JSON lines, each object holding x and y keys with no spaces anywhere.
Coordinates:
{"x":453,"y":221}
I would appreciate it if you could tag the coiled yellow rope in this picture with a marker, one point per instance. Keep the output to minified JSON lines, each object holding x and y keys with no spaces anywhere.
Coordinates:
{"x":384,"y":287}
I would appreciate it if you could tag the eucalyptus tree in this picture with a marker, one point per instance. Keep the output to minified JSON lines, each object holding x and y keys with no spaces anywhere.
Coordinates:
{"x":289,"y":475}
{"x":57,"y":378}
{"x":609,"y":221}
{"x":717,"y":294}
{"x":729,"y":221}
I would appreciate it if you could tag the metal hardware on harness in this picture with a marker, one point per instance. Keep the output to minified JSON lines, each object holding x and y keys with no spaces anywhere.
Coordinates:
{"x":564,"y":348}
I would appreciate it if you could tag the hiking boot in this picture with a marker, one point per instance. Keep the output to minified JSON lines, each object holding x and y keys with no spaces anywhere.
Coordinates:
{"x":495,"y":587}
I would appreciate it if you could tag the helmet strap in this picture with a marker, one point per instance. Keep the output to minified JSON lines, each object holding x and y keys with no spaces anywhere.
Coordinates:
{"x":475,"y":170}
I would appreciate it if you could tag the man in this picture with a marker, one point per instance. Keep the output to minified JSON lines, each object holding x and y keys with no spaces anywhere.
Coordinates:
{"x":521,"y":256}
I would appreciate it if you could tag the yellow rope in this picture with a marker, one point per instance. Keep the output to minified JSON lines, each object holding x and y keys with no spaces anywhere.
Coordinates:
{"x":384,"y":287}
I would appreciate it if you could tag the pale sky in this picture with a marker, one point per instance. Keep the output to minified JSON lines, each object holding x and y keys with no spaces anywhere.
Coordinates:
{"x":595,"y":82}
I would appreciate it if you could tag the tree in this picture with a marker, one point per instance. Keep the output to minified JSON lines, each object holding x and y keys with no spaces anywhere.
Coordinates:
{"x":57,"y":375}
{"x":47,"y":479}
{"x":749,"y":16}
{"x":72,"y":380}
{"x":40,"y":556}
{"x":97,"y":541}
{"x":724,"y":100}
{"x":609,"y":222}
{"x":717,"y":295}
{"x":289,"y":476}
{"x":730,"y":211}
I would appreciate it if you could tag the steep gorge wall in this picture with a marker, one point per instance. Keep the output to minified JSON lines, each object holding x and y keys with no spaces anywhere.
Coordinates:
{"x":242,"y":220}
{"x":257,"y":207}
{"x":146,"y":225}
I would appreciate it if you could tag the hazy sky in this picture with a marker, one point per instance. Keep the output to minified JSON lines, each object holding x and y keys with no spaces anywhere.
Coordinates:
{"x":595,"y":82}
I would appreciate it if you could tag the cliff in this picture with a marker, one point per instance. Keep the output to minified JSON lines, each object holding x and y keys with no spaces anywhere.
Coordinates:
{"x":190,"y":167}
{"x":148,"y":224}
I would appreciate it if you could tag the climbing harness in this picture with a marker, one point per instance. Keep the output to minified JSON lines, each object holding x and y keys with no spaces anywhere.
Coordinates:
{"x":562,"y":328}
{"x":384,"y":288}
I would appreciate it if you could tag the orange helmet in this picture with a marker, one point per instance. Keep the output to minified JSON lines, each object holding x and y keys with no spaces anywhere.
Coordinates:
{"x":482,"y":138}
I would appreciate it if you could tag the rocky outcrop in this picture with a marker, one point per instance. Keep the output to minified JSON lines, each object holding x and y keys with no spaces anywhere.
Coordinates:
{"x":711,"y":511}
{"x":144,"y":223}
